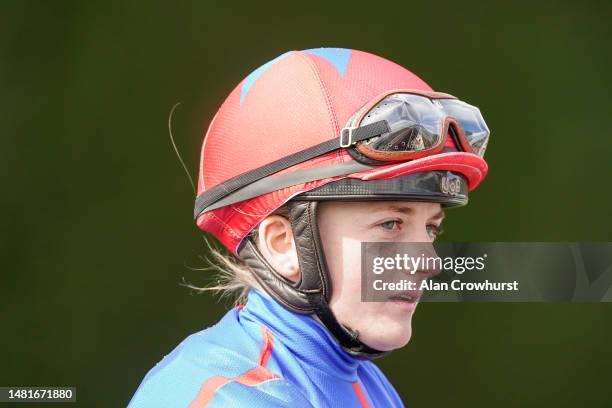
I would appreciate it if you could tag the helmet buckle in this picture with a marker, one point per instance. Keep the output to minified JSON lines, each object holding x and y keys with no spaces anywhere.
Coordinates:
{"x":346,"y":136}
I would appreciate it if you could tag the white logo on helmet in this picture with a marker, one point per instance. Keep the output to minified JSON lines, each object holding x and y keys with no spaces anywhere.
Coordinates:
{"x":450,"y":185}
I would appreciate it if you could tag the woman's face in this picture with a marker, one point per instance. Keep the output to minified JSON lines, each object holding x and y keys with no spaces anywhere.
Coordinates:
{"x":343,"y":226}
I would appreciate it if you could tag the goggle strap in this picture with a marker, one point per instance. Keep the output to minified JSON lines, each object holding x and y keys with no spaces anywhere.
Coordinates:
{"x":351,"y":135}
{"x":220,"y":191}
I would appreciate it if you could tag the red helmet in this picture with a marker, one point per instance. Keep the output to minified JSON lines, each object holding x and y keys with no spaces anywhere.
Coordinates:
{"x":291,"y":103}
{"x":325,"y":124}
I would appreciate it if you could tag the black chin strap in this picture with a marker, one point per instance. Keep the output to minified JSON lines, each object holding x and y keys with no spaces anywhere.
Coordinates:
{"x":311,"y":294}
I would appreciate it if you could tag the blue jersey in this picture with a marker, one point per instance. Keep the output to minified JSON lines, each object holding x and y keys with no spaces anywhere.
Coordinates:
{"x":264,"y":355}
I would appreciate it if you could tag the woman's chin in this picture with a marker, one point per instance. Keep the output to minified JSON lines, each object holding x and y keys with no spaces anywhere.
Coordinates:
{"x":388,"y":339}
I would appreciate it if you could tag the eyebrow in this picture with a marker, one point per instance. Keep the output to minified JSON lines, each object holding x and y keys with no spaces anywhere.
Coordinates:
{"x":401,"y":209}
{"x":439,"y":215}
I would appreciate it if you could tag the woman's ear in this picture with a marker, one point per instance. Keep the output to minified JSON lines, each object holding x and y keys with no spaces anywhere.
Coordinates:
{"x":276,"y":243}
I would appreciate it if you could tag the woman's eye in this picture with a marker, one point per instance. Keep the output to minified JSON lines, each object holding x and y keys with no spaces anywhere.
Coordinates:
{"x":434,"y":230}
{"x":390,"y":225}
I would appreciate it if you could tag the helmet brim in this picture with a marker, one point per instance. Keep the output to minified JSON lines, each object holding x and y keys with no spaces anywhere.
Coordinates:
{"x":471,"y":166}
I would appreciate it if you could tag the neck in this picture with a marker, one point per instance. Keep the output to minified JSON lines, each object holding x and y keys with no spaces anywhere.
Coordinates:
{"x":303,"y":335}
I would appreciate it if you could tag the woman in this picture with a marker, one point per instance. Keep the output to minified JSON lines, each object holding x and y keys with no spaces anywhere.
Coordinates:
{"x":311,"y":153}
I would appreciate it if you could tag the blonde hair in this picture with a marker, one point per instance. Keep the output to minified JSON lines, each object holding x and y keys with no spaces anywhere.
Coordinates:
{"x":233,"y":278}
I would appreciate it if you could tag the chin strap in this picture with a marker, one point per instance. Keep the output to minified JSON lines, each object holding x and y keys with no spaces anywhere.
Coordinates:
{"x":312,"y":292}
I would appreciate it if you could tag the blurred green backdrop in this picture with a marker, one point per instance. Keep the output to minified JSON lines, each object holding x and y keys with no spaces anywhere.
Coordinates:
{"x":97,"y":225}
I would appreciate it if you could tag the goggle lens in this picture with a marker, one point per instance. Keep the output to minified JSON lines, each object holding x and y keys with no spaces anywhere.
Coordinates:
{"x":419,"y":123}
{"x":414,"y":125}
{"x":471,"y":121}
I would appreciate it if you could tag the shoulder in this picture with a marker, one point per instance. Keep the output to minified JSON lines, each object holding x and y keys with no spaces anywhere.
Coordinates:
{"x":253,"y":390}
{"x":220,"y":366}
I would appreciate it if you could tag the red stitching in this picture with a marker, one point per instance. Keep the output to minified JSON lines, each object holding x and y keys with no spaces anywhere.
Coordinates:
{"x":332,"y":113}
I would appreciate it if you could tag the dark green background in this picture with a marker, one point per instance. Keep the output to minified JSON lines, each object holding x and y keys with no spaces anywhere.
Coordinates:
{"x":97,"y":214}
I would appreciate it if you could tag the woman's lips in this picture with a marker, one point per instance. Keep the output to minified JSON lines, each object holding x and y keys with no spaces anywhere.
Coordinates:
{"x":412,"y":296}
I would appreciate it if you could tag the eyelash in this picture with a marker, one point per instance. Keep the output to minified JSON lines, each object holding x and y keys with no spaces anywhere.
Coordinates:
{"x":432,"y":229}
{"x":397,"y":222}
{"x":437,"y":230}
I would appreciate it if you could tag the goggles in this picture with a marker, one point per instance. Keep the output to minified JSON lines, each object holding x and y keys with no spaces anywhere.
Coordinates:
{"x":400,"y":125}
{"x":419,"y":123}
